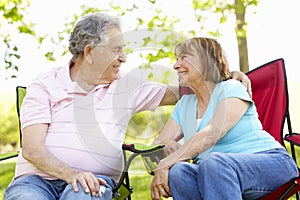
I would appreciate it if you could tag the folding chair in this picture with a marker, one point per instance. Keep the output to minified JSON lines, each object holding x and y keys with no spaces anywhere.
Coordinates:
{"x":20,"y":93}
{"x":122,"y":190}
{"x":270,"y":95}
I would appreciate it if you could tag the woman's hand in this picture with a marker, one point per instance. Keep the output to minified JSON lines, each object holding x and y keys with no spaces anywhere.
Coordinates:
{"x":159,"y":185}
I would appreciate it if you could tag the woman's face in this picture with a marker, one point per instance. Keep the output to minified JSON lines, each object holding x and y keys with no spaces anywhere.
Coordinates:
{"x":188,"y":68}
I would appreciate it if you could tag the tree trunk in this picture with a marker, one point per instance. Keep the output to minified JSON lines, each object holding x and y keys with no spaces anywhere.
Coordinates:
{"x":241,"y":35}
{"x":243,"y":55}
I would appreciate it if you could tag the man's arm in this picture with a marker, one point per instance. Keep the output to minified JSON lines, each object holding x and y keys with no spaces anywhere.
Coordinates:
{"x":172,"y":93}
{"x":35,"y":151}
{"x":171,"y":96}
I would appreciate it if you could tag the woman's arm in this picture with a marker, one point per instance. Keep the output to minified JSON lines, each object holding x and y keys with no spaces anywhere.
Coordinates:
{"x":228,"y":113}
{"x":169,"y":136}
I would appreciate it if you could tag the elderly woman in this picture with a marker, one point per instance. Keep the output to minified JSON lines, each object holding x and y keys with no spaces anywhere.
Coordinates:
{"x":234,"y":158}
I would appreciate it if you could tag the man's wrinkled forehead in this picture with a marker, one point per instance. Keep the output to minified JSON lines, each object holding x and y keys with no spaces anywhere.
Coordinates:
{"x":115,"y":36}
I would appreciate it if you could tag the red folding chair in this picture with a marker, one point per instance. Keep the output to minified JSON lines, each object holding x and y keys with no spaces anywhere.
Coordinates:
{"x":270,"y":95}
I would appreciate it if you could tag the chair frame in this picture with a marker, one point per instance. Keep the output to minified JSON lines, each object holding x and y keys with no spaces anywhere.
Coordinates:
{"x":10,"y":155}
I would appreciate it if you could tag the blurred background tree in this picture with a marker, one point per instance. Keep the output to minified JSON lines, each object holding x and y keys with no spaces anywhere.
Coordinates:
{"x":152,"y":40}
{"x":223,"y":9}
{"x":13,"y":20}
{"x":9,"y":128}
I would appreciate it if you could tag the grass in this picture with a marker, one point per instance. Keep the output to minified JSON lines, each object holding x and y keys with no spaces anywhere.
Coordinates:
{"x":7,"y":169}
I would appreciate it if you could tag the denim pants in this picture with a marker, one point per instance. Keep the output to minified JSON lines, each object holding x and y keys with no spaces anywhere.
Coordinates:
{"x":34,"y":187}
{"x":228,"y":176}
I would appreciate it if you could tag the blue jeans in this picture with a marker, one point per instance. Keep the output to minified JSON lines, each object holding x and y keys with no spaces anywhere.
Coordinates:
{"x":30,"y":187}
{"x":227,"y":176}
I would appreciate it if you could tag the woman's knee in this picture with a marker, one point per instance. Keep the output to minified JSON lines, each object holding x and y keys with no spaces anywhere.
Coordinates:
{"x":178,"y":168}
{"x":214,"y":162}
{"x":181,"y":171}
{"x":183,"y":181}
{"x":214,"y":158}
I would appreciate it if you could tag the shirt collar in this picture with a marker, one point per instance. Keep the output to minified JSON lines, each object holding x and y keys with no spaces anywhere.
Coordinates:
{"x":71,"y":86}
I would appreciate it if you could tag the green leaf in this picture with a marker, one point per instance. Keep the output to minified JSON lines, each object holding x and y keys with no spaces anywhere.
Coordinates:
{"x":49,"y":56}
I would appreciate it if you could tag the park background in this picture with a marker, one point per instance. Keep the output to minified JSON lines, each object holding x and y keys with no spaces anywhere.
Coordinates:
{"x":272,"y":32}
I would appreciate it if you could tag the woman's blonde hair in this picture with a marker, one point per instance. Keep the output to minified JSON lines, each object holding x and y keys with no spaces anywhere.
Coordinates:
{"x":213,"y":59}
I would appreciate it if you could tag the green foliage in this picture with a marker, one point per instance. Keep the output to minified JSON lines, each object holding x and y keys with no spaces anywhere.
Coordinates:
{"x":145,"y":126}
{"x":14,"y":14}
{"x":160,"y":37}
{"x":223,"y":9}
{"x":9,"y":128}
{"x":7,"y":169}
{"x":62,"y":37}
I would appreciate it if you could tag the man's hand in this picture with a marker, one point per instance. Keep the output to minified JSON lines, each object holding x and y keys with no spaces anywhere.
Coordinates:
{"x":87,"y":180}
{"x":240,"y":76}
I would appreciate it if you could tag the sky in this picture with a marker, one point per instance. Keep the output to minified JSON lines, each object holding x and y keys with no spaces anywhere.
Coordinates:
{"x":273,"y":32}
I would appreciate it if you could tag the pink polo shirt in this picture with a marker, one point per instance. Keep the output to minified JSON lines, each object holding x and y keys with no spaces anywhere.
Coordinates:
{"x":86,"y":130}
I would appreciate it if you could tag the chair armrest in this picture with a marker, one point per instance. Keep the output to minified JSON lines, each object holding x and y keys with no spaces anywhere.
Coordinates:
{"x":293,"y":138}
{"x":8,"y":155}
{"x":151,"y":155}
{"x":142,"y":148}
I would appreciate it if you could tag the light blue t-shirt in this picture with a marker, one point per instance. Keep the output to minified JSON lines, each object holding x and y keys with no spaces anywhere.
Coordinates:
{"x":247,"y":136}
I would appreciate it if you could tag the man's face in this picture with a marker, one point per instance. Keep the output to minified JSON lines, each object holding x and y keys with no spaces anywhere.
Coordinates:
{"x":108,"y":58}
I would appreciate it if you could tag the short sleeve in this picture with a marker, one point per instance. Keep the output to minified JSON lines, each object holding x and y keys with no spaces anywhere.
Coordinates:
{"x":176,"y":114}
{"x":35,"y":108}
{"x":234,"y":88}
{"x":147,"y":96}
